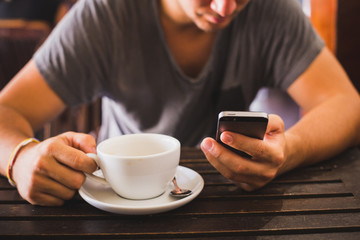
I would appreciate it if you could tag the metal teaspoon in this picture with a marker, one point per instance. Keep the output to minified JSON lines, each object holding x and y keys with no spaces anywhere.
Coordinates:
{"x":178,"y":192}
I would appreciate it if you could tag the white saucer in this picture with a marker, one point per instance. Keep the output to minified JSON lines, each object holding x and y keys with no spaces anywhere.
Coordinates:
{"x":103,"y":197}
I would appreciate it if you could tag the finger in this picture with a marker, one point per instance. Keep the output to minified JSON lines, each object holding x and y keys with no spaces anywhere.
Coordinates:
{"x":41,"y":190}
{"x":76,"y":160}
{"x":247,"y":187}
{"x":231,"y":165}
{"x":213,"y":152}
{"x":55,"y":189}
{"x":266,"y":156}
{"x":50,"y":168}
{"x":68,"y":155}
{"x":252,"y":146}
{"x":62,"y":174}
{"x":235,"y":167}
{"x":46,"y":200}
{"x":81,"y":141}
{"x":260,"y":150}
{"x":275,"y":125}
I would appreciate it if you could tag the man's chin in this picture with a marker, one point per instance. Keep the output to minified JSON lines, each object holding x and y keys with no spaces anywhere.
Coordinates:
{"x":209,"y":27}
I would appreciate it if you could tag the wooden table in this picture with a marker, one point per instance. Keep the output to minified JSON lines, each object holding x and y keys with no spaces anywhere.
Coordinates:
{"x":318,"y":202}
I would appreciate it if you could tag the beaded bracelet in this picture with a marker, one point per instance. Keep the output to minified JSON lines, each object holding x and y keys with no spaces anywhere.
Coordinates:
{"x":14,"y":155}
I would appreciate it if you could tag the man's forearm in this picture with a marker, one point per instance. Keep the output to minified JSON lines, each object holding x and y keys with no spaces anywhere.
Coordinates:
{"x":325,"y":131}
{"x":13,"y":129}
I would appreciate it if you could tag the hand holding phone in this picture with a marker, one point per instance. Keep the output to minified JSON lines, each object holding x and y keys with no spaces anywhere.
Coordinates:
{"x":251,"y":124}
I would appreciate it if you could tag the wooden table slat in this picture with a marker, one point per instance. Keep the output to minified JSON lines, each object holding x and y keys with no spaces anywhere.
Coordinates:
{"x":279,"y":224}
{"x":196,"y":208}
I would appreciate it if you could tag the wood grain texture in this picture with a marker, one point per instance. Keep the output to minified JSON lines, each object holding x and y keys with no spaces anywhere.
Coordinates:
{"x":316,"y":202}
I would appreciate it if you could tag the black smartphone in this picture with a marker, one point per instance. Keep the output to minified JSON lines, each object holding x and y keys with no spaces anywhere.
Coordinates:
{"x":251,"y":124}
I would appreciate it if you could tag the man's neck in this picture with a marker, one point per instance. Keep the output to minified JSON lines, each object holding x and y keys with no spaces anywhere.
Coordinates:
{"x":190,"y":46}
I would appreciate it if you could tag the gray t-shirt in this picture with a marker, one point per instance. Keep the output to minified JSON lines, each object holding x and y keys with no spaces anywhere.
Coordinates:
{"x":116,"y":49}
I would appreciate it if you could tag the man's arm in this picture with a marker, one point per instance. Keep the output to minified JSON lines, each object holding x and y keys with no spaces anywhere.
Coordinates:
{"x":26,"y":104}
{"x":331,"y":124}
{"x":47,"y":173}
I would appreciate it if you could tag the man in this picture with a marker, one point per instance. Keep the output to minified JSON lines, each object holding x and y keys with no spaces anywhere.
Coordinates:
{"x":170,"y":66}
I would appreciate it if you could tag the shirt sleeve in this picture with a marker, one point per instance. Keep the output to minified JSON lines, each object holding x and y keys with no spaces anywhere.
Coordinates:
{"x":74,"y":60}
{"x":289,"y":43}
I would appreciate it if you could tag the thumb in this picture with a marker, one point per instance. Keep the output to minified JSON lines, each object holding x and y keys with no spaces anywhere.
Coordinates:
{"x":275,"y":125}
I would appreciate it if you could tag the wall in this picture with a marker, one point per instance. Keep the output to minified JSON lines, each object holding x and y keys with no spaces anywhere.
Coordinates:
{"x":348,"y":38}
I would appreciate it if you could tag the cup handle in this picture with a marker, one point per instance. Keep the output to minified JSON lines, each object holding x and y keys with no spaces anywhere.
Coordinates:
{"x":92,"y":176}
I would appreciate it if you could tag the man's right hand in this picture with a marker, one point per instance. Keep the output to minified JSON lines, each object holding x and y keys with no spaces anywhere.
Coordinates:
{"x":50,"y":172}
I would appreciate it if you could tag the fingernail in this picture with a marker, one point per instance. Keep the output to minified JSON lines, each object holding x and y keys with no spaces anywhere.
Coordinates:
{"x":207,"y":145}
{"x":226,"y":138}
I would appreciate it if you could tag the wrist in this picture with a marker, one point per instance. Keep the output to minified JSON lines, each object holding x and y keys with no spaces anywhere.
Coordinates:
{"x":292,"y":153}
{"x":14,"y":155}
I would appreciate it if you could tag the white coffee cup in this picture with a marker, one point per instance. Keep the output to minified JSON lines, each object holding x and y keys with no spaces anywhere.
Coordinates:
{"x":137,"y":166}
